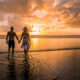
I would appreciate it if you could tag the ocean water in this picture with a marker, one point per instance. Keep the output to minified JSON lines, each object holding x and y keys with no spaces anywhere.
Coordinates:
{"x":48,"y":59}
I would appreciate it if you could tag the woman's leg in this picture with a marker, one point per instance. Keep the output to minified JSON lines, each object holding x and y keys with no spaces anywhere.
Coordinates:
{"x":26,"y":51}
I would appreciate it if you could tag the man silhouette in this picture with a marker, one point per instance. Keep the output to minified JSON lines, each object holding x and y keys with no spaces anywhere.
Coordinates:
{"x":10,"y":40}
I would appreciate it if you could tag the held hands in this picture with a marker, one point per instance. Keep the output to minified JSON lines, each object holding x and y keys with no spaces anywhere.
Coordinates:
{"x":19,"y":41}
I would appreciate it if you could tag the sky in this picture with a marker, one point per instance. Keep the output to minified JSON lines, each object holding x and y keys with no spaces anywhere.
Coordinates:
{"x":46,"y":16}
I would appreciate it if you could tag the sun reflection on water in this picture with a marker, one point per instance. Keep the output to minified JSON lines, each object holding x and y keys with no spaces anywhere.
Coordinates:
{"x":35,"y":41}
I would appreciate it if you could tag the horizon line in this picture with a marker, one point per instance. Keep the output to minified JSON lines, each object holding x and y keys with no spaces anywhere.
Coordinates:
{"x":49,"y":36}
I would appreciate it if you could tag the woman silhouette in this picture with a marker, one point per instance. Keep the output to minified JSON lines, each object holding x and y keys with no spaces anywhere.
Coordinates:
{"x":26,"y":40}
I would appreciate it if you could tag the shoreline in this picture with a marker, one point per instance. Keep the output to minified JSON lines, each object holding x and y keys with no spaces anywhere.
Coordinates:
{"x":46,"y":50}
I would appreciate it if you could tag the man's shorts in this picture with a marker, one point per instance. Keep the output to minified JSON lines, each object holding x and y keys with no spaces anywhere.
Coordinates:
{"x":11,"y":44}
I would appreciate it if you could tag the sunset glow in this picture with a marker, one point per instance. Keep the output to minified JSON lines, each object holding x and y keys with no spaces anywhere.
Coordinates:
{"x":34,"y":33}
{"x":39,"y":39}
{"x":35,"y":29}
{"x":45,"y":15}
{"x":40,"y":14}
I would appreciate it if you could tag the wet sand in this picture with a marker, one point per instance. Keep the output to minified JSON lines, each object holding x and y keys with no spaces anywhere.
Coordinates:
{"x":54,"y":65}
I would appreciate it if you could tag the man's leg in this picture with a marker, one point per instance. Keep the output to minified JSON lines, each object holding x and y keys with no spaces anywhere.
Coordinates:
{"x":9,"y":46}
{"x":8,"y":52}
{"x":13,"y":46}
{"x":12,"y":52}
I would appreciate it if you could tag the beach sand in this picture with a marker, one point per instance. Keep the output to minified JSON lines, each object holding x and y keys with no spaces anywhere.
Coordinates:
{"x":54,"y":65}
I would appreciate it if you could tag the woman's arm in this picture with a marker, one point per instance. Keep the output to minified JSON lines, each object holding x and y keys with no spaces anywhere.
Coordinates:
{"x":29,"y":38}
{"x":20,"y":39}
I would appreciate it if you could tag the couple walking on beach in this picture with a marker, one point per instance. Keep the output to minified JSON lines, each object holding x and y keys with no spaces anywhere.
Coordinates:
{"x":11,"y":42}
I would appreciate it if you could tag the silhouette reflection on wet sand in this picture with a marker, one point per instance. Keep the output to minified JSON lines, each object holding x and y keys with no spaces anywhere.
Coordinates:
{"x":12,"y":72}
{"x":26,"y":69}
{"x":31,"y":68}
{"x":11,"y":69}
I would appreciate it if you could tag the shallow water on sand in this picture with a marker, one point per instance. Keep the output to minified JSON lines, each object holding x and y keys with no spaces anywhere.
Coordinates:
{"x":42,"y":65}
{"x":44,"y":44}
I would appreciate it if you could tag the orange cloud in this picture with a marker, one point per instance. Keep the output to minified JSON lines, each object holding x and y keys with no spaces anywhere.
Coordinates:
{"x":49,"y":15}
{"x":40,"y":14}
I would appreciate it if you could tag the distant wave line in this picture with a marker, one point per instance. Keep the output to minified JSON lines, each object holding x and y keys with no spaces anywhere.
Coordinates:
{"x":47,"y":36}
{"x":48,"y":50}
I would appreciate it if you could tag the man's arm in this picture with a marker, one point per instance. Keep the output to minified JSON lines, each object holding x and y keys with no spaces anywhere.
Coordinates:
{"x":16,"y":37}
{"x":7,"y":37}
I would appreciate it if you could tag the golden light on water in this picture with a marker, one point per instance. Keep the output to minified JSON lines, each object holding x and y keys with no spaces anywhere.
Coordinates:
{"x":35,"y":31}
{"x":35,"y":40}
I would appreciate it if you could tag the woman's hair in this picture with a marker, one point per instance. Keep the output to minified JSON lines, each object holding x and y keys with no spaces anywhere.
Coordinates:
{"x":25,"y":29}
